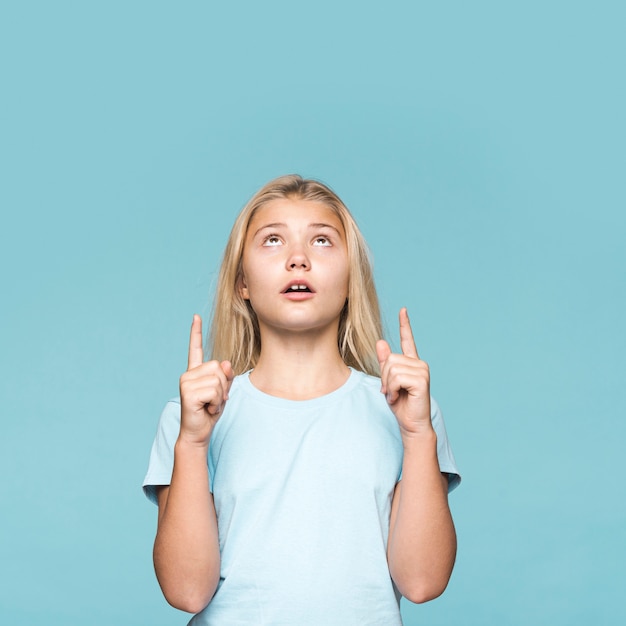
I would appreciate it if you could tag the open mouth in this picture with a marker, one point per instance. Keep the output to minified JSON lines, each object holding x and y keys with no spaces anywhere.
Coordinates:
{"x":297,"y":289}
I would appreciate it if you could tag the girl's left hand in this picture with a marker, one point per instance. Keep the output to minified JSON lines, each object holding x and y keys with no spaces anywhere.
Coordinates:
{"x":406,"y":382}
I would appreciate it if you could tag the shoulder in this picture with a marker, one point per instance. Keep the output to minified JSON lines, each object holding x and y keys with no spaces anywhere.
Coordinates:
{"x":367,"y":381}
{"x":365,"y":396}
{"x":171,"y":412}
{"x":366,"y":386}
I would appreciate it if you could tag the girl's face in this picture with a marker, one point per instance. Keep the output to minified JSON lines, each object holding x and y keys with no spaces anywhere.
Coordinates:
{"x":295,"y":266}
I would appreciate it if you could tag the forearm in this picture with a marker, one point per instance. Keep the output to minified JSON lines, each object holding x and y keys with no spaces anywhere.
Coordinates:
{"x":186,"y":548}
{"x":422,"y":539}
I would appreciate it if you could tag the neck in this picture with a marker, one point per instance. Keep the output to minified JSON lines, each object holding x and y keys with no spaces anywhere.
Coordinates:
{"x":299,"y":367}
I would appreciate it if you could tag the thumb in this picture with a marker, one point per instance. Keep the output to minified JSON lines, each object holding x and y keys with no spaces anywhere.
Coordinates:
{"x":382,"y":351}
{"x":227,"y":368}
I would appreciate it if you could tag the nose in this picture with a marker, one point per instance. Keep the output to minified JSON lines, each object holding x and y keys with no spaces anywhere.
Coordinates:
{"x":297,"y":259}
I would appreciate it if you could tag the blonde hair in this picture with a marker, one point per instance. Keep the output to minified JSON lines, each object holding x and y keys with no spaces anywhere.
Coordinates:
{"x":235,"y":335}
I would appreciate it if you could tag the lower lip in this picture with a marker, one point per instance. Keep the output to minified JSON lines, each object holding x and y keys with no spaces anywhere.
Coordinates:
{"x":297,"y":296}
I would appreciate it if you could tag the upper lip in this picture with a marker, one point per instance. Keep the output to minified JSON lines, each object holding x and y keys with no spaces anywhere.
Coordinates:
{"x":298,"y":281}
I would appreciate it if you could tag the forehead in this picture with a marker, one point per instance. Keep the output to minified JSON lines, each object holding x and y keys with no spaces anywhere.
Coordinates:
{"x":294,"y":213}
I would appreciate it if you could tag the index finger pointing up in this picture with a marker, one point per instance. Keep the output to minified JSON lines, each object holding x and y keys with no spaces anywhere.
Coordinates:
{"x":196,"y":356}
{"x":407,"y":343}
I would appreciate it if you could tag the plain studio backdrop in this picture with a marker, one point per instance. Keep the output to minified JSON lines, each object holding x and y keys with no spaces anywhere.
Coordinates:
{"x":480,"y":146}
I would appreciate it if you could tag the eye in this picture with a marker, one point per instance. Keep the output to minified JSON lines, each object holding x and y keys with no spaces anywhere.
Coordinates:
{"x":322,"y":240}
{"x":272,"y":240}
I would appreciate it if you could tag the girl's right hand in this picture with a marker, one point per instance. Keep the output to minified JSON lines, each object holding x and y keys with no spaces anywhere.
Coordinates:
{"x":204,"y":390}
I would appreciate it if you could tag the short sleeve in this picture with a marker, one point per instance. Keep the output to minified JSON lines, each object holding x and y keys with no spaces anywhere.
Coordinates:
{"x":162,"y":453}
{"x":447,"y":464}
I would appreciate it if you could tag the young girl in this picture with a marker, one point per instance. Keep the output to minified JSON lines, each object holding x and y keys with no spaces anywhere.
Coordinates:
{"x":294,"y":486}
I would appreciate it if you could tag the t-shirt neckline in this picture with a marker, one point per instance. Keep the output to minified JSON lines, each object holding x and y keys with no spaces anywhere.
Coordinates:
{"x":276,"y":401}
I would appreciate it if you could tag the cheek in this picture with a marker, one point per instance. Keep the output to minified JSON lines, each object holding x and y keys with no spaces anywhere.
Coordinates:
{"x":247,"y":272}
{"x":342,"y":281}
{"x":252,"y":282}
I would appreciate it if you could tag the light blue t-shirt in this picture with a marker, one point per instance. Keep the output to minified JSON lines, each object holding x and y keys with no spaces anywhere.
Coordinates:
{"x":302,"y":492}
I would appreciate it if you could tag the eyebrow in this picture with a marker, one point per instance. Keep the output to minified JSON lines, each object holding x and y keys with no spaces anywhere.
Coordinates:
{"x":283,"y":225}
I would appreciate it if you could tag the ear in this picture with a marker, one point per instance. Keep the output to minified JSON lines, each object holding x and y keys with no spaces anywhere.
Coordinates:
{"x":243,"y":288}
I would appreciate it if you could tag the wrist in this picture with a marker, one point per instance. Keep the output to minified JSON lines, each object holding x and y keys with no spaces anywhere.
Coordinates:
{"x":419,"y":440}
{"x":189,"y":446}
{"x":420,"y":458}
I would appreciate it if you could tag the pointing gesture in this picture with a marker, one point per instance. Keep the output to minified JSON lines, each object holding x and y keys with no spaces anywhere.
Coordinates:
{"x":405,"y":381}
{"x":196,"y":356}
{"x":204,"y":390}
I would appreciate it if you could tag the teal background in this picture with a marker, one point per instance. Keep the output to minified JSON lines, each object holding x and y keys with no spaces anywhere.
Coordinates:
{"x":480,"y":146}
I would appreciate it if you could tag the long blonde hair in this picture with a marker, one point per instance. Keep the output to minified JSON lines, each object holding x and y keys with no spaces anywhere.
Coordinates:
{"x":235,"y":335}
